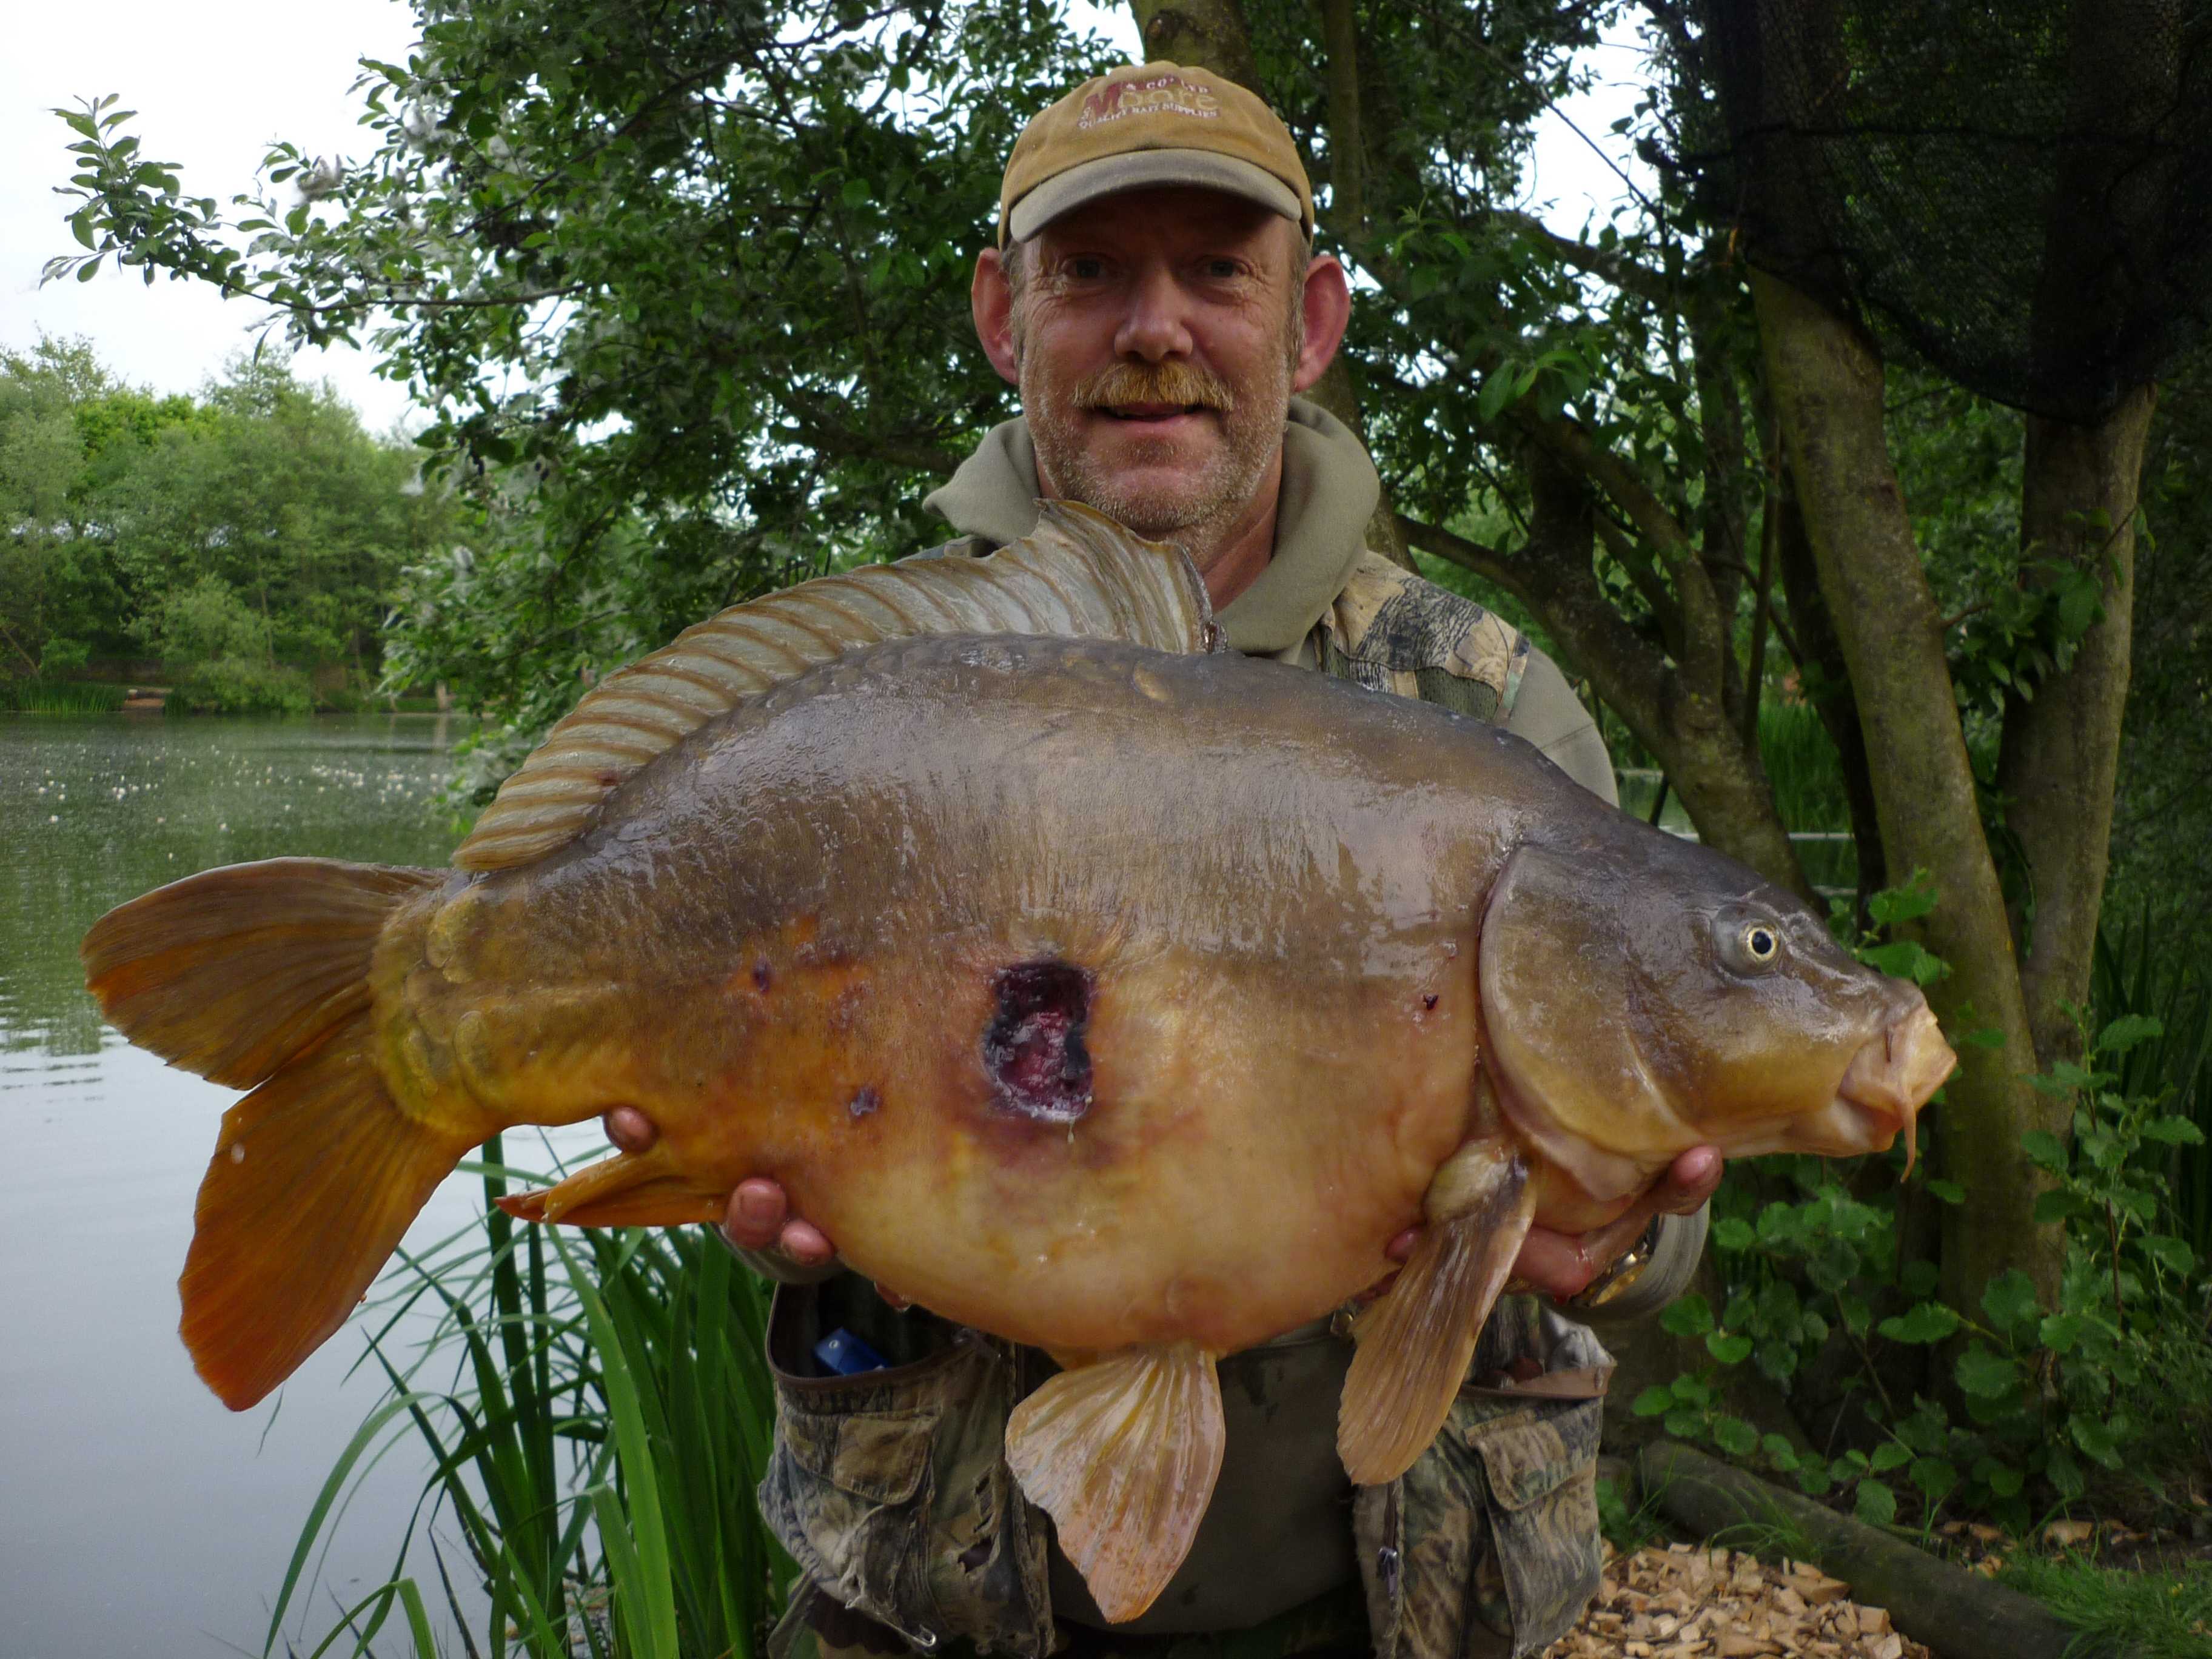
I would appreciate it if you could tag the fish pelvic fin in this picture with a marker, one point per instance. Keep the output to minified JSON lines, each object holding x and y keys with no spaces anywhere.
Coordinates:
{"x":1122,"y":1453}
{"x":631,"y":1190}
{"x":1417,"y":1340}
{"x":232,"y":972}
{"x":315,"y":1176}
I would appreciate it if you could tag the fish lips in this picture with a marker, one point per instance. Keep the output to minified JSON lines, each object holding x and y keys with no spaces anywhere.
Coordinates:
{"x":1891,"y":1078}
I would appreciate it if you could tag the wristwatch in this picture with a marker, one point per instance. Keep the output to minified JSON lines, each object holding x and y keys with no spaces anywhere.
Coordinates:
{"x":1623,"y":1273}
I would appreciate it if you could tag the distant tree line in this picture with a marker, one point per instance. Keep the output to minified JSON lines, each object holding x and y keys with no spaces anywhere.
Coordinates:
{"x":243,"y":537}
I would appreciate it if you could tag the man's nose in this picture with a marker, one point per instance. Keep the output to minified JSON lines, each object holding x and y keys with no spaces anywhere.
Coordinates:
{"x":1153,"y":324}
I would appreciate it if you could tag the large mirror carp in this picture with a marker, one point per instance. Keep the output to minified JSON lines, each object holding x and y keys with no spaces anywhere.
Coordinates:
{"x":1088,"y":984}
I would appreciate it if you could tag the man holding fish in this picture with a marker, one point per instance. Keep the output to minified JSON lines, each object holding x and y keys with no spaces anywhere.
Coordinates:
{"x":1131,"y":1003}
{"x":1154,"y":296}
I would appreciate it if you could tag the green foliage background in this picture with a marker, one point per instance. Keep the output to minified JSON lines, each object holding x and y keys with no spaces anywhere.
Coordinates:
{"x":240,"y":537}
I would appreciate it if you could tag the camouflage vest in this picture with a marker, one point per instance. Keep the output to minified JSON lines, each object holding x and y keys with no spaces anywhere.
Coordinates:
{"x":890,"y":1488}
{"x":1391,"y":631}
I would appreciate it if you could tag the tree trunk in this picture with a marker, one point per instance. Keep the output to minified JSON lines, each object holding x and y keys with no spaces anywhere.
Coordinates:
{"x":2057,"y":763}
{"x":1827,"y":386}
{"x":2060,"y":756}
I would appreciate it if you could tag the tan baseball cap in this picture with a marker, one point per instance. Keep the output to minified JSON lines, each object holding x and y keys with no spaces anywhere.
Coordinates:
{"x":1151,"y":124}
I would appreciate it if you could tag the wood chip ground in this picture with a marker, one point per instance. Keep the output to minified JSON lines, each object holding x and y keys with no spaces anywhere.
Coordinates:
{"x":1686,"y":1601}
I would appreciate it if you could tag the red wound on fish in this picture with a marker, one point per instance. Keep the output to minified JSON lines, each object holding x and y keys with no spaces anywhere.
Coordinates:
{"x":1034,"y":1048}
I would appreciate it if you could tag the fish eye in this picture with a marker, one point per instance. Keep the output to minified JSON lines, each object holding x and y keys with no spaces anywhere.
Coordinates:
{"x":1746,"y":944}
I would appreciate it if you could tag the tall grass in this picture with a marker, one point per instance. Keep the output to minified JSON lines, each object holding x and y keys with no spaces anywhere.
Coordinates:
{"x":2161,"y":1613}
{"x":59,"y":697}
{"x":1803,"y":766}
{"x":2135,"y":973}
{"x":1808,"y":775}
{"x":606,"y":1418}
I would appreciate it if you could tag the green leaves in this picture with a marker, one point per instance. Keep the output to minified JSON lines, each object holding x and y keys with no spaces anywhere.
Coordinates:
{"x":1727,"y":1348}
{"x":1692,"y":1316}
{"x":1931,"y":1322}
{"x":1874,"y":1504}
{"x":2010,"y":1300}
{"x":1984,"y":1374}
{"x":1733,"y":1233}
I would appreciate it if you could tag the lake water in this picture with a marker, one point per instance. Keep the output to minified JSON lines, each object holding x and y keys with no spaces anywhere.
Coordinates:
{"x":138,"y":1515}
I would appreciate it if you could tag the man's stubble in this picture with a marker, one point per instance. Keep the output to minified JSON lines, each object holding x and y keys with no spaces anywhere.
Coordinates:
{"x":1198,"y":510}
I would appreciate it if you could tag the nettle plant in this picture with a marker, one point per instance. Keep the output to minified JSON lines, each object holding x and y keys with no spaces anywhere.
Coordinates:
{"x":2018,"y":1398}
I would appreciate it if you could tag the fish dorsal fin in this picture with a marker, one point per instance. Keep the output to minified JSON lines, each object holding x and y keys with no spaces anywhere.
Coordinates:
{"x":1079,"y":573}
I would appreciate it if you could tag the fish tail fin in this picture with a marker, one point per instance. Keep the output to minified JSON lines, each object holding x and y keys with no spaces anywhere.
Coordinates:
{"x":259,"y":974}
{"x":631,"y":1190}
{"x":1417,"y":1339}
{"x":315,"y":1176}
{"x":234,"y":971}
{"x":1123,"y":1454}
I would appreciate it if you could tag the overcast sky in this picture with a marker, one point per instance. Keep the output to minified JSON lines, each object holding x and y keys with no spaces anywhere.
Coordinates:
{"x":216,"y":81}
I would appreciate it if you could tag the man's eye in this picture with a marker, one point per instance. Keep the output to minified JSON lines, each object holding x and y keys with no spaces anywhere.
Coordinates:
{"x":1221,"y":270}
{"x":1086,"y":271}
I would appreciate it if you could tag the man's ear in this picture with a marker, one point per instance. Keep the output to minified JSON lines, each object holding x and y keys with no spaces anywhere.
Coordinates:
{"x":1327,"y":304}
{"x":991,"y":302}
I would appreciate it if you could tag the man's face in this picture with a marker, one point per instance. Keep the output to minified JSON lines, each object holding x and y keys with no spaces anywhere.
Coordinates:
{"x":1156,"y":340}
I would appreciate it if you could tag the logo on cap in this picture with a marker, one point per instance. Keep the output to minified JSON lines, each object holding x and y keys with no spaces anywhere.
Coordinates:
{"x":1160,"y":94}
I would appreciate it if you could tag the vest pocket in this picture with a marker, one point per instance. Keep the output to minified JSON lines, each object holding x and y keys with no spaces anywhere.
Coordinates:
{"x":1540,"y":1473}
{"x":847,"y":1492}
{"x":889,"y":1488}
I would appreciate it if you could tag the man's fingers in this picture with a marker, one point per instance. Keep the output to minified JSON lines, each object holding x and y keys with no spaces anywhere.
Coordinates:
{"x":630,"y":1130}
{"x":1552,"y":1264}
{"x":1690,"y":1181}
{"x":757,"y":1211}
{"x":805,"y":1243}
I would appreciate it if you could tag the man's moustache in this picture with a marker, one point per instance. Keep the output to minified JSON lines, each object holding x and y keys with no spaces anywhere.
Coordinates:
{"x":1185,"y":384}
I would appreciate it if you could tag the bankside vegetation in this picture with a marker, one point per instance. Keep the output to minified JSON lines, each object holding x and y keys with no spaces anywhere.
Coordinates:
{"x":1832,"y":464}
{"x":226,"y":545}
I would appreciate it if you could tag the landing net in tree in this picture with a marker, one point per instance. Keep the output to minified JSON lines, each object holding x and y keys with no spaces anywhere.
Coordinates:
{"x":2019,"y":190}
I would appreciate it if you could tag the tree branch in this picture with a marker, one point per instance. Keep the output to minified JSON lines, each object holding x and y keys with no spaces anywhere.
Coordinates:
{"x":1616,"y":267}
{"x":1347,"y":154}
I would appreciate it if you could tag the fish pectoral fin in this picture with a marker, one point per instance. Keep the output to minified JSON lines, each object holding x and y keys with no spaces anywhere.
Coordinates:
{"x":1122,"y":1453}
{"x":1417,"y":1339}
{"x":631,"y":1190}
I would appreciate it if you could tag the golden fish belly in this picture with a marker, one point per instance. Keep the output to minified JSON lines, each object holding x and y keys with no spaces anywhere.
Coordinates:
{"x":1250,"y":1138}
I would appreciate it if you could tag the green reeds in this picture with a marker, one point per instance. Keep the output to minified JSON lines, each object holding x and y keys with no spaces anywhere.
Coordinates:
{"x":59,"y":697}
{"x":605,"y":1419}
{"x":1802,"y":765}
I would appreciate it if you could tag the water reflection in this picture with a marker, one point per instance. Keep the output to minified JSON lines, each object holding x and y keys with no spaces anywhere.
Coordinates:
{"x":137,"y":1514}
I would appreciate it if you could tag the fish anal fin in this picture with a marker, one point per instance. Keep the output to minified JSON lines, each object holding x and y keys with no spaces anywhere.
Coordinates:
{"x":1417,"y":1339}
{"x":1122,"y":1453}
{"x":631,"y":1190}
{"x":315,"y":1176}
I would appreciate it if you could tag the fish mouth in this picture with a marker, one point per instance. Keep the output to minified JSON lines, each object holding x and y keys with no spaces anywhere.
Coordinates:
{"x":1890,"y":1079}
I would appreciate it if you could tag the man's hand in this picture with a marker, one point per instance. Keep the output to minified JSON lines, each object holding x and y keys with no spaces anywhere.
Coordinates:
{"x":759,"y":1217}
{"x":1559,"y":1264}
